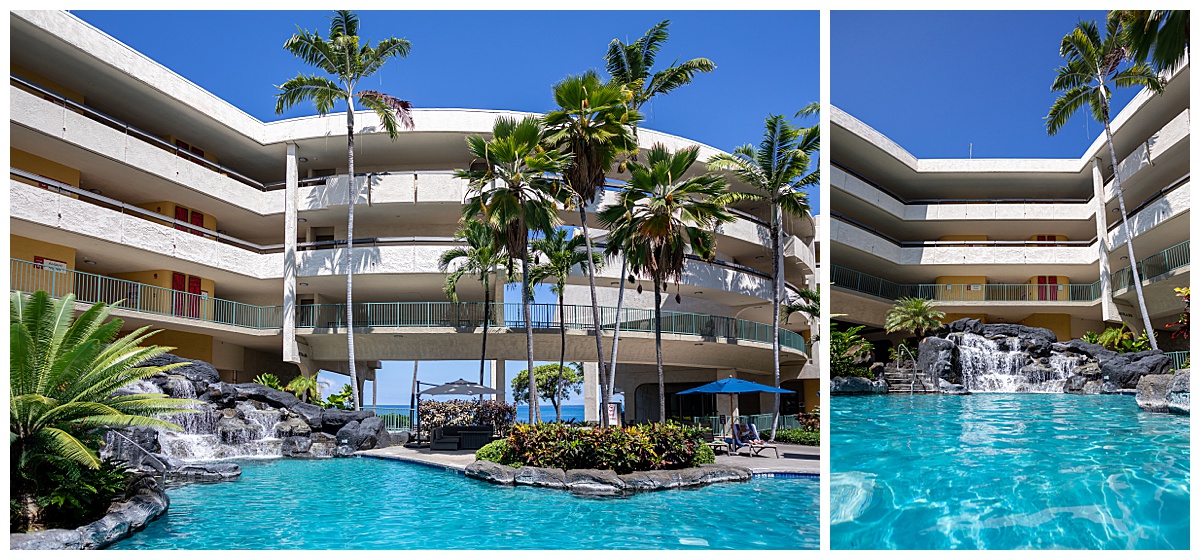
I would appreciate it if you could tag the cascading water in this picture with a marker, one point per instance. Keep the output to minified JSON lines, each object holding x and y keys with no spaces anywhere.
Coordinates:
{"x":999,"y":365}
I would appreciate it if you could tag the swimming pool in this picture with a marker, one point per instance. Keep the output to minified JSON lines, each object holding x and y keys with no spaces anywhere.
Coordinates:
{"x":1002,"y":471}
{"x":369,"y":503}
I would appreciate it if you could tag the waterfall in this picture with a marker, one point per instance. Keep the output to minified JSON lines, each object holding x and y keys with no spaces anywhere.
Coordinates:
{"x":1000,"y":365}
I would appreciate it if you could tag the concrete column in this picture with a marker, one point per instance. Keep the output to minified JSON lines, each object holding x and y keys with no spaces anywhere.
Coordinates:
{"x":290,"y":352}
{"x":591,"y":392}
{"x":375,"y":392}
{"x":1107,"y":307}
{"x":499,"y":383}
{"x":726,"y":405}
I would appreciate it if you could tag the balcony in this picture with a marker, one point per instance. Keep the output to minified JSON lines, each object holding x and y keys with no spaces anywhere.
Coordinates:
{"x":873,"y":285}
{"x":134,"y":296}
{"x":1158,"y":264}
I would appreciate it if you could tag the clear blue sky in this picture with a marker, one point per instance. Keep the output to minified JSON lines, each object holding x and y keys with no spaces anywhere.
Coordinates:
{"x":936,"y":81}
{"x":767,"y":62}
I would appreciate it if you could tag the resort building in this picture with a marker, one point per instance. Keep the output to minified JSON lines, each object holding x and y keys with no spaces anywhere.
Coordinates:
{"x":129,"y":183}
{"x":1037,"y":242}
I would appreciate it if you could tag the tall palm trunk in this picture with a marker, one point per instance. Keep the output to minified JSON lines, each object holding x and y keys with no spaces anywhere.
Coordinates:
{"x":662,"y":395}
{"x":777,"y":288}
{"x":604,"y":375}
{"x":412,"y":403}
{"x":1137,"y":279}
{"x":562,"y":355}
{"x":487,"y":315}
{"x":527,"y":308}
{"x":353,"y":192}
{"x":612,"y":362}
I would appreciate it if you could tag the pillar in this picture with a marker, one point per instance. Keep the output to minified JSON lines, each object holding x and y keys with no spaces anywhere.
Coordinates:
{"x":290,"y":351}
{"x":499,"y":383}
{"x":1107,"y":308}
{"x":591,"y":392}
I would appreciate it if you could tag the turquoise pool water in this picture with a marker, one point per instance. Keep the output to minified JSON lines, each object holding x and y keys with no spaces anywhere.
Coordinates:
{"x":1003,"y":471}
{"x":379,"y":504}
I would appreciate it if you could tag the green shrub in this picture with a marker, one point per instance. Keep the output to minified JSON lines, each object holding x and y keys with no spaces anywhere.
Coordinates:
{"x":269,"y":380}
{"x":497,"y":452}
{"x":704,"y":456}
{"x":800,"y":437}
{"x":624,"y":450}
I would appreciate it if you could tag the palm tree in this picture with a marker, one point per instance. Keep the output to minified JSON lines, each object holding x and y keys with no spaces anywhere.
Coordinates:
{"x":662,"y":215}
{"x":480,"y":257}
{"x":304,"y":387}
{"x":1093,"y":64}
{"x":778,"y":170}
{"x":630,"y":66}
{"x":62,"y":378}
{"x":514,"y":195}
{"x":1160,"y":36}
{"x":915,"y":315}
{"x":341,"y":57}
{"x":562,"y":256}
{"x":592,"y":124}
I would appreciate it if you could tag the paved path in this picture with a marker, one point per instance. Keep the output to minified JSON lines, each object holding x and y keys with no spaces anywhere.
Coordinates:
{"x":800,"y":459}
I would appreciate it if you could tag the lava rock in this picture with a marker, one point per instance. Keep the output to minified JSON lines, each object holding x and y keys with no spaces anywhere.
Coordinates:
{"x":491,"y":472}
{"x":311,"y":414}
{"x":1075,"y":384}
{"x":206,"y":471}
{"x":856,"y":385}
{"x":292,"y":427}
{"x":233,"y":430}
{"x":1152,"y":391}
{"x":974,"y":326}
{"x":333,"y":419}
{"x":537,"y":476}
{"x":273,"y":397}
{"x":594,"y":482}
{"x":709,"y":474}
{"x":343,"y":451}
{"x":1179,"y":398}
{"x":936,"y":356}
{"x":1125,"y":370}
{"x":222,"y":395}
{"x":1109,"y":388}
{"x":1088,"y":349}
{"x":50,"y":539}
{"x":296,"y":445}
{"x":649,"y":481}
{"x":371,"y":433}
{"x":201,"y":374}
{"x":1087,"y":370}
{"x":952,"y":388}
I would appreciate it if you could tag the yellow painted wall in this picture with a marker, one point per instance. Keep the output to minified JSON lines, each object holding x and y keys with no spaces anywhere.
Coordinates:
{"x":1059,"y":323}
{"x":168,"y":209}
{"x":26,"y":161}
{"x":957,"y":288}
{"x":811,"y":399}
{"x":187,"y":345}
{"x":56,"y":87}
{"x":1034,"y":293}
{"x":29,"y":278}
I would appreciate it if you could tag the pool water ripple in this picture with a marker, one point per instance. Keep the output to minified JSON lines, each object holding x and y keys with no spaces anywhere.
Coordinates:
{"x":379,"y":504}
{"x":1004,"y":471}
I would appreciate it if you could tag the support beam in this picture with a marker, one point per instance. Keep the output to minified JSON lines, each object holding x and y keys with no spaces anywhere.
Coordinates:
{"x":290,"y":351}
{"x":499,"y":383}
{"x":591,"y":392}
{"x":1108,"y":309}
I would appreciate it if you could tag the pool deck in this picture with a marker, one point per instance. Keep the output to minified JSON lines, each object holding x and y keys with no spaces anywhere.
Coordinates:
{"x":793,"y":459}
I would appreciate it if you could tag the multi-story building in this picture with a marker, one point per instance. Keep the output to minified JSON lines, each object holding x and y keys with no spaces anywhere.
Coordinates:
{"x":1037,"y":242}
{"x":128,"y":183}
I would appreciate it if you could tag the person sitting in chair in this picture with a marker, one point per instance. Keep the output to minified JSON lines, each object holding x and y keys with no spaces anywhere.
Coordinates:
{"x":747,"y":435}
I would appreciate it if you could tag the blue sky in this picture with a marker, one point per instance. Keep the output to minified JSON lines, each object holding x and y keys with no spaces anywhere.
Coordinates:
{"x":767,"y":62}
{"x":935,"y":82}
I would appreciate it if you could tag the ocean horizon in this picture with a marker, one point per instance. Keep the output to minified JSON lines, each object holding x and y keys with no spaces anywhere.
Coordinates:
{"x":569,"y":411}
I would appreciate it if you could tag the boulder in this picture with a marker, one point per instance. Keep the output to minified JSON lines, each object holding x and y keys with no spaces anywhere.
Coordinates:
{"x":333,"y":419}
{"x":594,"y":482}
{"x":311,"y":414}
{"x":856,"y":385}
{"x":952,"y":388}
{"x":1087,"y":370}
{"x":235,"y":429}
{"x":262,"y":393}
{"x":146,"y":502}
{"x":1110,"y":388}
{"x":537,"y":476}
{"x":343,"y":451}
{"x":1088,"y":349}
{"x":1179,"y":398}
{"x":974,"y":326}
{"x":1092,"y":387}
{"x":368,"y":434}
{"x":709,"y":474}
{"x":222,"y":395}
{"x":1125,"y":370}
{"x":1075,"y":384}
{"x":296,"y":445}
{"x":491,"y":472}
{"x":201,"y":374}
{"x":1152,"y":391}
{"x":50,"y":539}
{"x":649,"y":481}
{"x":936,"y":356}
{"x":293,"y":426}
{"x":205,"y":471}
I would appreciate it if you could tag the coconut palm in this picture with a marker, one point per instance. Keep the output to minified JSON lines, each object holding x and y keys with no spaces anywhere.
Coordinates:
{"x":478,"y":258}
{"x":342,"y":57}
{"x":660,"y":216}
{"x":64,"y":381}
{"x":915,"y":315}
{"x":592,"y":123}
{"x":513,"y":194}
{"x":779,"y":172}
{"x":562,"y":256}
{"x":1160,"y":36}
{"x":631,"y":66}
{"x":1094,"y":63}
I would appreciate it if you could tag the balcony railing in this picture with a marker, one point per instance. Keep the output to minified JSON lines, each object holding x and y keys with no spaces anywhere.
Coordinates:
{"x":1157,"y":264}
{"x":58,"y":281}
{"x":1180,"y":360}
{"x":886,"y":289}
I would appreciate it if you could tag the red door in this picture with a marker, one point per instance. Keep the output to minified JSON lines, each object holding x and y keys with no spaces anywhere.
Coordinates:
{"x":178,"y":286}
{"x":197,"y":220}
{"x":181,"y":214}
{"x":193,"y":296}
{"x":1047,"y":288}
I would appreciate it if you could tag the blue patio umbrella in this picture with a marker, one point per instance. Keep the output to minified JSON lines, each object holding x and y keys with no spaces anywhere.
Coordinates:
{"x":732,"y":386}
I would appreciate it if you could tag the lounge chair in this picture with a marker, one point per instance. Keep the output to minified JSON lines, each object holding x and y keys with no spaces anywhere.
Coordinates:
{"x":756,"y":449}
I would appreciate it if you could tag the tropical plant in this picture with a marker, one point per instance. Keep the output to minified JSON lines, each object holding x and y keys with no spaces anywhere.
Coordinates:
{"x":914,"y":315}
{"x":1121,"y":339}
{"x":1091,"y":337}
{"x":269,"y":380}
{"x":778,"y":170}
{"x":497,"y":452}
{"x":624,"y":450}
{"x":799,"y":437}
{"x":847,"y":349}
{"x":631,"y":66}
{"x":902,"y":351}
{"x":659,"y":217}
{"x":1160,"y":36}
{"x":479,"y":257}
{"x":592,"y":124}
{"x":343,"y":399}
{"x":1184,"y":322}
{"x":348,"y":63}
{"x":1094,"y":63}
{"x":553,"y":383}
{"x":305,"y":387}
{"x":65,"y":379}
{"x":562,"y":256}
{"x":514,"y":195}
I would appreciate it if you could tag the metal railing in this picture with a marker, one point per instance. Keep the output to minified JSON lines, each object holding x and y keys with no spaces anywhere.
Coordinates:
{"x":395,"y":418}
{"x":873,"y":285}
{"x":1180,"y":359}
{"x":25,"y":276}
{"x":760,"y":421}
{"x":1157,"y":264}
